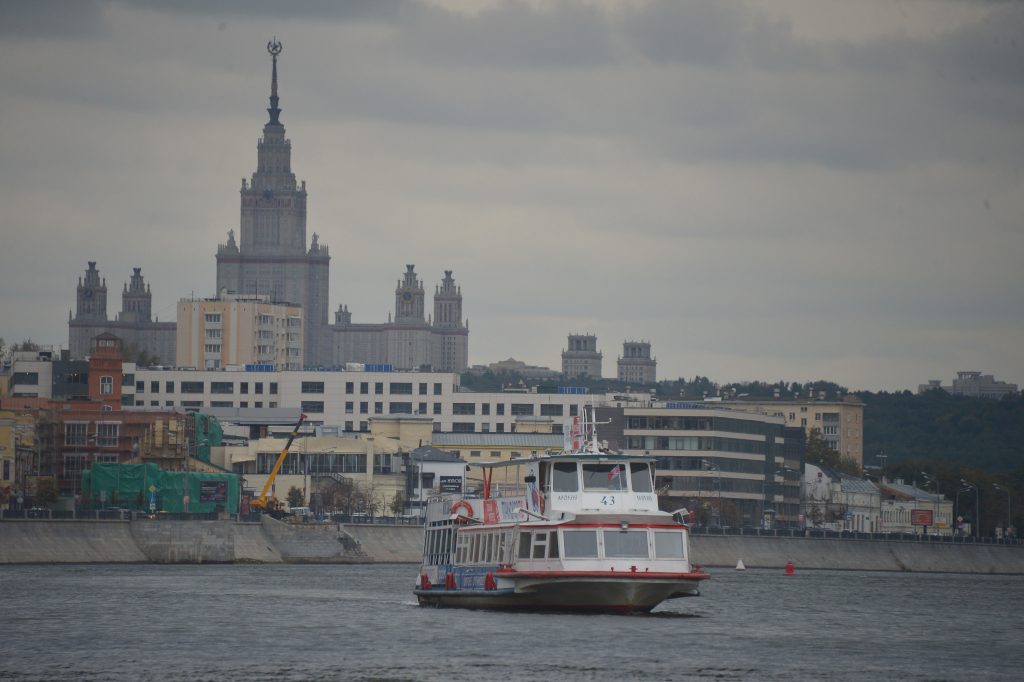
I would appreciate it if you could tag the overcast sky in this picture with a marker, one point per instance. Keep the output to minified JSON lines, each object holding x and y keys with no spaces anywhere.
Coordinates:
{"x":789,"y":190}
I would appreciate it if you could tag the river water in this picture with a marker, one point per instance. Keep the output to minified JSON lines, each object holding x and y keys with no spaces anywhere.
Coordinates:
{"x":324,"y":622}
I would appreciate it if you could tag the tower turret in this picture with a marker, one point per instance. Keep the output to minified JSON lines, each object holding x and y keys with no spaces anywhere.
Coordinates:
{"x":91,"y":296}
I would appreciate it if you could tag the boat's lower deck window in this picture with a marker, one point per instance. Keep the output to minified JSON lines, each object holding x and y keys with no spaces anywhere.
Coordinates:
{"x":580,"y":544}
{"x":668,"y":545}
{"x":542,"y":545}
{"x":621,"y":544}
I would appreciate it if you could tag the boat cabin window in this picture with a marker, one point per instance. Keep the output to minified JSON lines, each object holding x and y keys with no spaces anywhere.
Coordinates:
{"x":623,"y":544}
{"x":604,"y":476}
{"x":580,"y":544}
{"x":524,"y":544}
{"x":640,"y":472}
{"x":668,"y":545}
{"x":564,"y":478}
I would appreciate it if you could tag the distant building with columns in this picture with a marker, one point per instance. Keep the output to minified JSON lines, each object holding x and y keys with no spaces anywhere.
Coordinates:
{"x":636,"y":366}
{"x":581,"y":358}
{"x":134,"y":325}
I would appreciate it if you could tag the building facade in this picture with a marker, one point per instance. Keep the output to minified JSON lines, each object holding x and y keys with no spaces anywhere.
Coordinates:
{"x":841,"y":423}
{"x":239,"y":330}
{"x":727,"y":467}
{"x":636,"y":366}
{"x":581,"y":358}
{"x":271,"y":257}
{"x":409,"y":340}
{"x":972,"y":384}
{"x":134,"y":325}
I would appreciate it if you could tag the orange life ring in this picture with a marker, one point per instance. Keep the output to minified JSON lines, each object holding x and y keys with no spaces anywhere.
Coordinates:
{"x":462,"y":504}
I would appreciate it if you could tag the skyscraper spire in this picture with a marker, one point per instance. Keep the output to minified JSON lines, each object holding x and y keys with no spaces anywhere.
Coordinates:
{"x":274,"y":48}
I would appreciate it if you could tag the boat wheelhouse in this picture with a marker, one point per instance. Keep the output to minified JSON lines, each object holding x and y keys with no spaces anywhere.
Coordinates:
{"x":579,"y":530}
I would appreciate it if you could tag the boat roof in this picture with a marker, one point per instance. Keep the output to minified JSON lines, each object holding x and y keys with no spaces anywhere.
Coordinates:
{"x":568,"y":457}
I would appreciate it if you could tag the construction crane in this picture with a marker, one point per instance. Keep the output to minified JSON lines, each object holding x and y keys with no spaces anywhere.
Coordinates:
{"x":271,"y":504}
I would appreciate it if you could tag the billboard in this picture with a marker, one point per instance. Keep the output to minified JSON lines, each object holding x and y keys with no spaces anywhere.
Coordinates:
{"x":213,"y":491}
{"x":451,"y":484}
{"x":921,"y":517}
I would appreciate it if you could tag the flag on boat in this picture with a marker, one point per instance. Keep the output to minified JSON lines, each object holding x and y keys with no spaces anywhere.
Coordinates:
{"x":616,"y":470}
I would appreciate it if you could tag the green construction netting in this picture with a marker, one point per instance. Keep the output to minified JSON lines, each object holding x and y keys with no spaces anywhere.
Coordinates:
{"x":208,"y":432}
{"x":128,"y":486}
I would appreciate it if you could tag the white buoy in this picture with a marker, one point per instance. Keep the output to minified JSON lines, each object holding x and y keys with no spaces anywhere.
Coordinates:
{"x":740,"y":566}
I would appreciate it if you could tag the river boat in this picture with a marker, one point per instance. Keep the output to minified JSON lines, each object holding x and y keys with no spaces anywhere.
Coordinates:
{"x":574,"y":530}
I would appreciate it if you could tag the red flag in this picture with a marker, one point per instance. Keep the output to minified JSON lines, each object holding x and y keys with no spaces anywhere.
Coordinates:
{"x":616,"y":470}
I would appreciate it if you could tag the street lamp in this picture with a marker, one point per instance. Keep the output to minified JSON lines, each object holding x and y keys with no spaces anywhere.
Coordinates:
{"x":709,"y":465}
{"x":1007,"y":491}
{"x":938,"y":493}
{"x":977,"y":516}
{"x":764,"y":495}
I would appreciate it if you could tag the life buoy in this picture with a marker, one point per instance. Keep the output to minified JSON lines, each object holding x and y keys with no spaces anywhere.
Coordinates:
{"x":449,"y":581}
{"x":462,"y":504}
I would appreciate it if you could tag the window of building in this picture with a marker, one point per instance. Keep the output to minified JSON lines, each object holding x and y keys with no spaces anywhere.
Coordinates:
{"x":522,"y":410}
{"x":106,"y":434}
{"x":211,"y":348}
{"x":364,"y":426}
{"x":25,"y":378}
{"x":463,"y":408}
{"x":259,"y":387}
{"x":501,"y":428}
{"x":212,"y":318}
{"x":192,"y":387}
{"x":140,"y":386}
{"x":313,"y":406}
{"x":243,"y":387}
{"x":243,"y":404}
{"x":378,"y":388}
{"x":474,"y":453}
{"x":349,"y":387}
{"x":349,"y":409}
{"x":400,"y":408}
{"x":364,"y":387}
{"x":191,"y":405}
{"x":258,"y":404}
{"x":221,"y":403}
{"x":437,"y":389}
{"x":573,"y":410}
{"x":551,"y":410}
{"x":421,"y":408}
{"x":364,"y":407}
{"x":437,"y":408}
{"x":423,"y":389}
{"x":273,"y":388}
{"x":106,"y":385}
{"x":398,"y":388}
{"x":74,"y":433}
{"x":222,"y":387}
{"x":127,"y":379}
{"x":168,"y":387}
{"x":312,"y":387}
{"x":378,"y":408}
{"x":500,"y":408}
{"x":462,"y":427}
{"x":496,"y":454}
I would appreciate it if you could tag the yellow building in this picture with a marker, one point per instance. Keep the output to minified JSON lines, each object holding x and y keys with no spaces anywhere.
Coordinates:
{"x":361,"y":474}
{"x":841,"y":423}
{"x":8,"y":455}
{"x":239,"y":330}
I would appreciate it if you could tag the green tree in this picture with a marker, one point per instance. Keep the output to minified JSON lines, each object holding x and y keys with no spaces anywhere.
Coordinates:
{"x":26,"y":344}
{"x":295,"y":497}
{"x":818,"y":451}
{"x":398,"y":503}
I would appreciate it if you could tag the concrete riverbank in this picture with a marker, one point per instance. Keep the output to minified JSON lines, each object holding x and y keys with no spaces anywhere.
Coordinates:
{"x":269,"y":541}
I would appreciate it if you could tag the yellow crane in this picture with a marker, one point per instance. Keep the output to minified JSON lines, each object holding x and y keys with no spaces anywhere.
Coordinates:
{"x":271,"y":504}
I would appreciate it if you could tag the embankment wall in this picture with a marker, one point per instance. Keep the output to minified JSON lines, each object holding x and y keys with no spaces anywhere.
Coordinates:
{"x":271,"y":541}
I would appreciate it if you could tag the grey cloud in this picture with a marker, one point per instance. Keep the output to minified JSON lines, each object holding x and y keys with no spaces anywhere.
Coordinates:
{"x":51,"y":18}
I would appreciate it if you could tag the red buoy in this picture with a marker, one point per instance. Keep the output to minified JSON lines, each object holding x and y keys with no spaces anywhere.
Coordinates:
{"x":789,"y":568}
{"x":449,"y":581}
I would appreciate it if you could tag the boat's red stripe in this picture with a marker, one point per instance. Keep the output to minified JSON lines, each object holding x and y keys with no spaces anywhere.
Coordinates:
{"x":511,"y":573}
